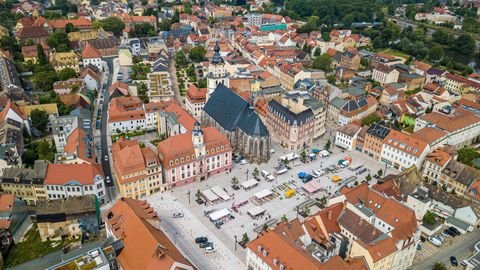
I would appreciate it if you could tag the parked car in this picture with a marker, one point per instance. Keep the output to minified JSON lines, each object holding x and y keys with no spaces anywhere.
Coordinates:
{"x":454,"y":261}
{"x":423,"y":239}
{"x":177,"y":215}
{"x":445,"y":233}
{"x":450,"y":232}
{"x":238,"y":159}
{"x":440,"y":238}
{"x":210,"y":249}
{"x":419,"y":247}
{"x":108,"y":179}
{"x":205,"y":244}
{"x":106,"y":158}
{"x":434,"y":241}
{"x":457,"y":232}
{"x":201,"y":239}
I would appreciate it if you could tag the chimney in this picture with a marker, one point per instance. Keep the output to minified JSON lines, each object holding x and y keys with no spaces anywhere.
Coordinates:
{"x":330,"y":215}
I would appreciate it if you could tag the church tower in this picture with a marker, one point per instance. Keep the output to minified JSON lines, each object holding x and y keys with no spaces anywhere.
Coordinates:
{"x":216,"y":72}
{"x":197,"y":140}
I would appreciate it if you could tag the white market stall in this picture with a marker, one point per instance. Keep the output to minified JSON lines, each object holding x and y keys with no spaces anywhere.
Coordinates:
{"x":249,"y":184}
{"x":220,"y":193}
{"x":210,"y":196}
{"x":219,"y":214}
{"x":256,"y":211}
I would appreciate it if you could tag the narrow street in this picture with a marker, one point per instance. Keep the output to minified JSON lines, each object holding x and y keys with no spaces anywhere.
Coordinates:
{"x":462,"y":248}
{"x":173,"y":74}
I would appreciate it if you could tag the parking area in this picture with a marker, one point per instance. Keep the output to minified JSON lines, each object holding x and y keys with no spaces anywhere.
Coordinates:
{"x":269,"y":201}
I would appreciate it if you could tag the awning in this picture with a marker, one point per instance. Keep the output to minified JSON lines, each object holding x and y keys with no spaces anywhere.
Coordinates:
{"x":315,"y":151}
{"x":257,"y":210}
{"x":336,"y":178}
{"x":209,"y":195}
{"x":249,"y":184}
{"x":219,"y":214}
{"x":262,"y":194}
{"x":220,"y":193}
{"x":312,"y":187}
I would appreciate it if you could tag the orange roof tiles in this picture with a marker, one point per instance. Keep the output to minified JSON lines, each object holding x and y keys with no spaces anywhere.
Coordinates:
{"x":183,"y":117}
{"x":90,"y":52}
{"x":459,"y":119}
{"x":429,"y":135}
{"x":6,"y":202}
{"x":195,"y":94}
{"x":130,"y":159}
{"x":146,"y":246}
{"x":439,"y":157}
{"x":76,"y":143}
{"x":125,"y":109}
{"x":60,"y":174}
{"x":81,"y":23}
{"x":380,"y":249}
{"x":405,"y":143}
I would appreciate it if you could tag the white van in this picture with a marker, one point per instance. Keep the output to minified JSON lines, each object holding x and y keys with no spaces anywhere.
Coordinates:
{"x":434,"y":241}
{"x":264,"y":173}
{"x":270,"y":177}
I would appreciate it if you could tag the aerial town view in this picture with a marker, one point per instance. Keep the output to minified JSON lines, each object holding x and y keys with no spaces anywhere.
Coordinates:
{"x":239,"y":134}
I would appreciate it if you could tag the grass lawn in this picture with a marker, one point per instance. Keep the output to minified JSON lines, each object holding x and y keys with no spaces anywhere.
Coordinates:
{"x":32,"y":247}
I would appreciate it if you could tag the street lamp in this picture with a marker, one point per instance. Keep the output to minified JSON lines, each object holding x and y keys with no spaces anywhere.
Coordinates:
{"x":188,"y":193}
{"x":247,"y":174}
{"x":175,"y":238}
{"x":235,"y":242}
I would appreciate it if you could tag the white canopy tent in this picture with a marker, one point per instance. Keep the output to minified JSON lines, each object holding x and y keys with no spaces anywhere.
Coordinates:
{"x":255,"y":211}
{"x":262,"y":194}
{"x":219,"y":214}
{"x":209,"y":195}
{"x":249,"y":184}
{"x":220,"y":193}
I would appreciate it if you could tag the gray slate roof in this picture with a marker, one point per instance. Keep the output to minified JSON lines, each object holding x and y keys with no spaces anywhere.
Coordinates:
{"x":290,"y":117}
{"x":231,"y":111}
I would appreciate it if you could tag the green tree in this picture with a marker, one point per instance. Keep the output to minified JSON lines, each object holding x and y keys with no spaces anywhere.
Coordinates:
{"x":70,"y":28}
{"x":380,"y":172}
{"x":464,"y":44}
{"x":323,"y":62}
{"x":66,"y":73}
{"x":368,"y":178}
{"x":303,"y":156}
{"x":45,"y":150}
{"x":323,"y":201}
{"x":441,"y":37}
{"x":58,"y":41}
{"x":198,"y":194}
{"x":197,"y":54}
{"x":327,"y":145}
{"x":112,"y":24}
{"x":181,"y":59}
{"x":165,"y":25}
{"x":245,"y":238}
{"x":143,"y":30}
{"x":39,"y":119}
{"x":42,"y":58}
{"x":234,"y":181}
{"x":284,"y":218}
{"x":310,"y":25}
{"x":436,"y":53}
{"x":142,"y":90}
{"x":370,"y":119}
{"x":255,"y":172}
{"x":43,"y":80}
{"x":306,"y":210}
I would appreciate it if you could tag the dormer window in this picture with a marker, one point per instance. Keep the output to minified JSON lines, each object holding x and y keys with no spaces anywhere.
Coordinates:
{"x":265,"y":252}
{"x":390,"y":140}
{"x":259,"y":248}
{"x":275,"y":262}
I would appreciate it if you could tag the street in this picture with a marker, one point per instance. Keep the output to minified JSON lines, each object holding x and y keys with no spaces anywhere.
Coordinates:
{"x":462,"y":248}
{"x":173,"y":74}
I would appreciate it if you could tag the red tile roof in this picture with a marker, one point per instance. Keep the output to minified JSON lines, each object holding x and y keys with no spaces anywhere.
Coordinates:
{"x":60,"y":174}
{"x":145,"y":245}
{"x":90,"y":52}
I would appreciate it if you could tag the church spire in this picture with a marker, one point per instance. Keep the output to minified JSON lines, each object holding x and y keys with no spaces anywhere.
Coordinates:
{"x":217,"y":58}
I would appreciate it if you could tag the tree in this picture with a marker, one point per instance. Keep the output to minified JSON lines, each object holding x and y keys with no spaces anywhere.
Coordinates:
{"x":464,"y":44}
{"x":39,"y":119}
{"x":198,"y":194}
{"x":368,"y":178}
{"x":42,"y":58}
{"x":70,"y":28}
{"x":467,"y":156}
{"x":43,"y":80}
{"x":439,"y":266}
{"x":436,"y":53}
{"x":255,"y":172}
{"x":265,"y":227}
{"x":165,"y":25}
{"x":58,"y":41}
{"x":197,"y":54}
{"x":112,"y":24}
{"x":323,"y":62}
{"x":143,"y":30}
{"x":441,"y":37}
{"x":181,"y":59}
{"x":245,"y":238}
{"x":142,"y":92}
{"x":327,"y":145}
{"x":234,"y":181}
{"x":284,"y":218}
{"x":311,"y":25}
{"x":323,"y":201}
{"x":66,"y":73}
{"x":306,"y":210}
{"x":303,"y":156}
{"x":370,"y":119}
{"x":380,"y":172}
